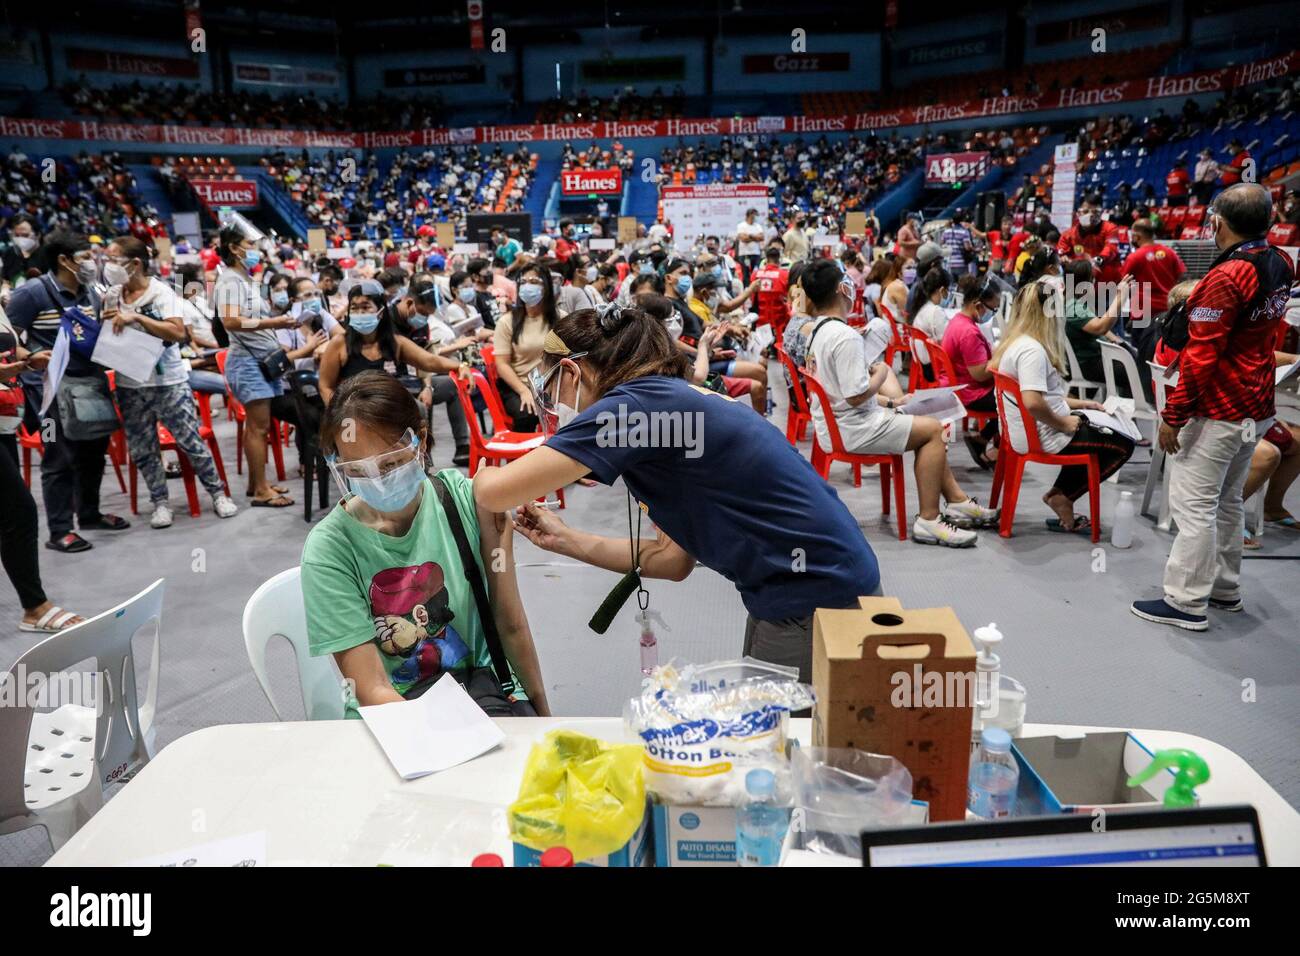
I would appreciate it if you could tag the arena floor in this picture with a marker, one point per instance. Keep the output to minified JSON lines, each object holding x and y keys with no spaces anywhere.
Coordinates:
{"x":1069,"y":634}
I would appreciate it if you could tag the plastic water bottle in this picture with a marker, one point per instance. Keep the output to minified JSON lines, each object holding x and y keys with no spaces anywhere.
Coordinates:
{"x":649,"y":645}
{"x":1121,"y":532}
{"x":760,"y":824}
{"x":993,"y":777}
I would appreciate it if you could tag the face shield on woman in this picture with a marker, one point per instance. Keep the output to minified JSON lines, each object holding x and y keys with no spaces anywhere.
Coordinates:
{"x":553,"y":414}
{"x":388,"y":481}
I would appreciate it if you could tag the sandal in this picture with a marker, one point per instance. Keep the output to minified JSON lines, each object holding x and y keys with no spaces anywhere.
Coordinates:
{"x":70,"y":543}
{"x":1289,"y":522}
{"x":107,"y":522}
{"x":52,"y":621}
{"x":278,"y":489}
{"x":977,"y":452}
{"x":1081,"y":525}
{"x":277,"y":501}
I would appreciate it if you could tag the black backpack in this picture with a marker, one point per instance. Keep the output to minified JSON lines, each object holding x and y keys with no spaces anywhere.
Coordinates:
{"x":1272,"y":272}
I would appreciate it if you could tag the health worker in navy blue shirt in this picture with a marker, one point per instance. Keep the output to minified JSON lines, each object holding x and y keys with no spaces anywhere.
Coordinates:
{"x":719,"y":482}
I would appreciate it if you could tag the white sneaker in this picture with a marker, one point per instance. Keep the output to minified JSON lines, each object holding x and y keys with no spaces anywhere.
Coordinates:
{"x":224,"y":507}
{"x":162,"y":517}
{"x":942,"y":531}
{"x":971,"y":514}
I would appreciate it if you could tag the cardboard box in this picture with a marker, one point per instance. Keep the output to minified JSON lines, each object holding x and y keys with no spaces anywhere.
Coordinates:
{"x":902,"y":683}
{"x":1084,"y":773}
{"x":636,"y":852}
{"x":694,"y":836}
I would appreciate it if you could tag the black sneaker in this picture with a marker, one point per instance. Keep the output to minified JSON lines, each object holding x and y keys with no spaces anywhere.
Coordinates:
{"x":1235,"y":605}
{"x":1160,"y":612}
{"x":461,"y":457}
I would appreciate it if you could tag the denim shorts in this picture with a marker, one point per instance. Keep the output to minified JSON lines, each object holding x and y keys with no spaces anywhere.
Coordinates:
{"x":247,"y":383}
{"x":723,"y":366}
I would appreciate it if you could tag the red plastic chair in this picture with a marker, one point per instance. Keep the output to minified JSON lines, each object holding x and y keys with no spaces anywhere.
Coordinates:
{"x":29,"y":442}
{"x":489,"y":354}
{"x":891,"y":466}
{"x":503,"y":445}
{"x":165,"y":443}
{"x":899,"y":336}
{"x":236,"y":409}
{"x":204,"y":401}
{"x":943,"y":372}
{"x":800,"y":416}
{"x":1011,"y":463}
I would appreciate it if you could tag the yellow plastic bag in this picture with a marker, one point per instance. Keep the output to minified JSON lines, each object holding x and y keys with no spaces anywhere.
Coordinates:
{"x":579,"y":793}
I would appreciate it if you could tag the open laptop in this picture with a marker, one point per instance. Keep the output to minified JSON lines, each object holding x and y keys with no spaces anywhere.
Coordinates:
{"x":1201,"y":836}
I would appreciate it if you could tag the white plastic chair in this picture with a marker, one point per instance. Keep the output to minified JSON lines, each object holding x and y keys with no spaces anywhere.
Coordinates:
{"x":276,"y":610}
{"x":1157,"y":474}
{"x":1077,"y":381}
{"x":55,"y":764}
{"x":1112,"y":355}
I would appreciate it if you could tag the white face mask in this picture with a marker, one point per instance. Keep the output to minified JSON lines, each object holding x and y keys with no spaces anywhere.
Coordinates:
{"x":115,"y":273}
{"x":1086,"y":219}
{"x":674,"y":326}
{"x":567,"y":413}
{"x":25,"y":244}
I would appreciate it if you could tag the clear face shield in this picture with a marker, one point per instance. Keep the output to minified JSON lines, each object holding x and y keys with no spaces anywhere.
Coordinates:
{"x":387,"y":481}
{"x":552,"y":414}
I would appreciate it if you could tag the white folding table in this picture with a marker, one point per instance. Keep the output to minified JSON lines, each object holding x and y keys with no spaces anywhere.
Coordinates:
{"x":316,"y":788}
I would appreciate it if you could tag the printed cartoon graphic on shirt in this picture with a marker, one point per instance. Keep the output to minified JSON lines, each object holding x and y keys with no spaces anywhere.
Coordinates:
{"x":413,"y":615}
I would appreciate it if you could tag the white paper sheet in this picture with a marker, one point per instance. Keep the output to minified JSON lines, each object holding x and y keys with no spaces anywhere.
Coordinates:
{"x":247,"y":849}
{"x":1118,"y":422}
{"x":133,"y":353}
{"x":1285,"y":372}
{"x":876,"y":338}
{"x":941,"y":403}
{"x":436,"y":731}
{"x":761,"y":338}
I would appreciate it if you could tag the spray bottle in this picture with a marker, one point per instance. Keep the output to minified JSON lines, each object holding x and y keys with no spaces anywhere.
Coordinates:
{"x":988,"y":680}
{"x":649,"y":643}
{"x":1192,"y":772}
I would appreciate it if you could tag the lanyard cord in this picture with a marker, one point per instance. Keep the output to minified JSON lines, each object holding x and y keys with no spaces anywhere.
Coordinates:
{"x":634,"y":546}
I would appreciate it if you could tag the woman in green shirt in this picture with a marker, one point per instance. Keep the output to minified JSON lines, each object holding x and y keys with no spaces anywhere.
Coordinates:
{"x":383,"y":582}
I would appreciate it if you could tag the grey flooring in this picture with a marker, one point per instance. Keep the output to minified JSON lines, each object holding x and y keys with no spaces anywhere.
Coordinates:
{"x":1062,"y":605}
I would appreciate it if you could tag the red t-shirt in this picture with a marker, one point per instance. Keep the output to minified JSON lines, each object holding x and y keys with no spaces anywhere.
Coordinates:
{"x":1232,"y":175}
{"x":564,"y":248}
{"x":1157,"y":269}
{"x":1013,"y":246}
{"x":966,"y":345}
{"x":773,"y":286}
{"x":1177,"y":183}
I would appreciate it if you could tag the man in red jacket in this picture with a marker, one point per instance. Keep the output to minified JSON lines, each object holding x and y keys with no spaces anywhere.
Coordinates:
{"x":1091,"y":238}
{"x":773,"y":287}
{"x":1222,"y":404}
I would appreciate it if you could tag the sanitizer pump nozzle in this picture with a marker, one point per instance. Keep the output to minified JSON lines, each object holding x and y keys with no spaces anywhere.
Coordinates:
{"x":647,"y":619}
{"x":988,"y":678}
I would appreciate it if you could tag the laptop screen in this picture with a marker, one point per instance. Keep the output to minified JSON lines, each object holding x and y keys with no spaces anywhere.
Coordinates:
{"x":1190,"y":844}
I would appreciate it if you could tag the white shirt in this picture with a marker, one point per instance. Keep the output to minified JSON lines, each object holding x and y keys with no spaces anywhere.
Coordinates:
{"x":932,"y":320}
{"x":749,"y":238}
{"x":838,"y":360}
{"x":1026,"y":361}
{"x":160,"y":303}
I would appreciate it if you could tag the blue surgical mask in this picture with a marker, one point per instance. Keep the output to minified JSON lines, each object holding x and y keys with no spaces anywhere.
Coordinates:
{"x":280,"y":299}
{"x":717,"y":272}
{"x":252,"y":258}
{"x":393,"y":491}
{"x":909,"y":276}
{"x":530,"y":293}
{"x":466,"y":293}
{"x":363,"y":322}
{"x":646,"y":268}
{"x":683,"y":285}
{"x":417,"y":321}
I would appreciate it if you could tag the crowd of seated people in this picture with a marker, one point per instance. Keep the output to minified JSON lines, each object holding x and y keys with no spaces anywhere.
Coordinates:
{"x":359,"y":195}
{"x":626,"y":104}
{"x":94,"y":194}
{"x":822,"y":178}
{"x":182,"y":105}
